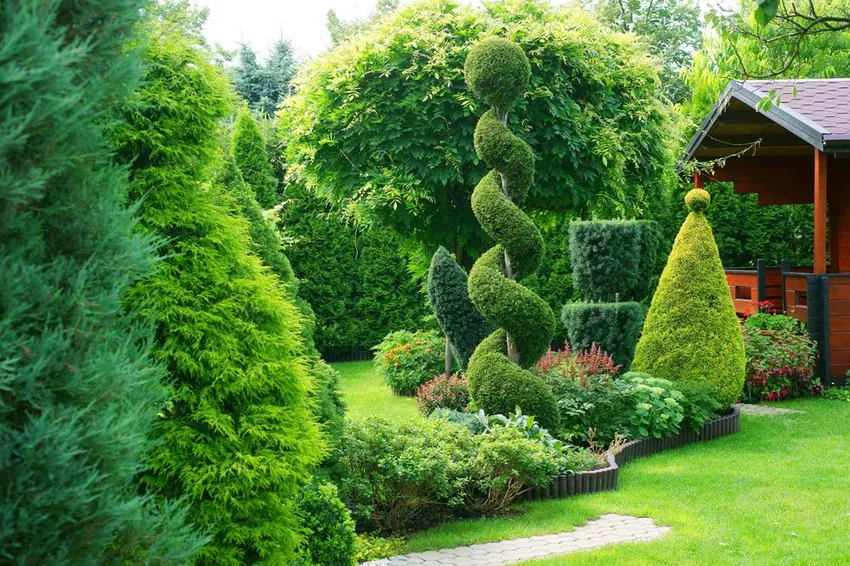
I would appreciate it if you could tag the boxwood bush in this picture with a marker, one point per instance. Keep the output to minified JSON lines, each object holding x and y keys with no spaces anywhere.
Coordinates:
{"x":330,"y":538}
{"x":403,"y":475}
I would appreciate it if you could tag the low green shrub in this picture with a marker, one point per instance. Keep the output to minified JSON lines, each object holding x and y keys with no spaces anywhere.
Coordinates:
{"x":837,"y":394}
{"x":504,"y":462}
{"x":445,"y":392}
{"x":612,"y":258}
{"x":407,"y":360}
{"x":398,"y":473}
{"x":370,"y":547}
{"x":698,"y":403}
{"x":401,"y":474}
{"x":780,"y":365}
{"x":613,"y":327}
{"x":570,"y":458}
{"x":330,"y":530}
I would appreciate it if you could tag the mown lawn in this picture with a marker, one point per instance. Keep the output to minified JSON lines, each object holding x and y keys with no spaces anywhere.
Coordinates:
{"x":778,"y":492}
{"x":366,"y":394}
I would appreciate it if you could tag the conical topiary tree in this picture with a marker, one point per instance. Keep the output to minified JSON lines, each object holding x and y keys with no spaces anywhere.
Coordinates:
{"x":497,"y":71}
{"x":692,"y":333}
{"x":462,"y":324}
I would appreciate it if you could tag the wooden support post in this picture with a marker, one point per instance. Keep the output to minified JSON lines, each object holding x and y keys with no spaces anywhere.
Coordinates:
{"x":820,"y":212}
{"x":699,"y":182}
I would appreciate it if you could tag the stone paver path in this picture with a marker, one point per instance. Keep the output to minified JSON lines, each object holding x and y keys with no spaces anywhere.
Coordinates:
{"x":764,"y":410}
{"x":607,"y":529}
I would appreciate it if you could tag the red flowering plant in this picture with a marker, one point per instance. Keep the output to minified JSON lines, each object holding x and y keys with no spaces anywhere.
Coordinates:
{"x":587,"y":367}
{"x":406,"y":360}
{"x":780,"y":365}
{"x":444,"y":391}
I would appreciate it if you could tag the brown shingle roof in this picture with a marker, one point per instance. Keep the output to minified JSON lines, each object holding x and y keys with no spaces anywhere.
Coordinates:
{"x":826,"y":102}
{"x":819,"y":114}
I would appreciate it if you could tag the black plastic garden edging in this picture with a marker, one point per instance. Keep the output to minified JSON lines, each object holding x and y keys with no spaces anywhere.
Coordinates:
{"x":603,"y":479}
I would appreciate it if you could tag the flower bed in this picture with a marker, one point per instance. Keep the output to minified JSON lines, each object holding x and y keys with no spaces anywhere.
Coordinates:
{"x":603,"y":479}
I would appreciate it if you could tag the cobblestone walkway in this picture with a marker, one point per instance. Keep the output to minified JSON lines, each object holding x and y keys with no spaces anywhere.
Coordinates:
{"x":764,"y":410}
{"x":607,"y":529}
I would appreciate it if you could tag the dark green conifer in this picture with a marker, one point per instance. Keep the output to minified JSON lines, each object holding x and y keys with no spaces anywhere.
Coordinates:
{"x":79,"y":392}
{"x":462,"y":324}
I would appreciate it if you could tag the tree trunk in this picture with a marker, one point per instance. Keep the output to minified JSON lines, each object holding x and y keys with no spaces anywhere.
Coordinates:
{"x":448,"y":358}
{"x":513,"y":352}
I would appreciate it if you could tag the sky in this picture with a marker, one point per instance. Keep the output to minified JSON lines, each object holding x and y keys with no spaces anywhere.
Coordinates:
{"x":260,"y":23}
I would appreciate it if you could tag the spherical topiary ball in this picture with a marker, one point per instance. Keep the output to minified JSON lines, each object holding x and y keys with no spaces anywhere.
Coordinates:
{"x":497,"y":71}
{"x":697,"y":200}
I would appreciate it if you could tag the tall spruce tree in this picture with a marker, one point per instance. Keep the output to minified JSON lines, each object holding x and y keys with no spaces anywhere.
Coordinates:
{"x":79,"y":392}
{"x":237,"y":438}
{"x":249,"y":149}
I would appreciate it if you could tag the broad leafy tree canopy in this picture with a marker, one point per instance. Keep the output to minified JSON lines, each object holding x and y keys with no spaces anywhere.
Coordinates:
{"x":382,"y":124}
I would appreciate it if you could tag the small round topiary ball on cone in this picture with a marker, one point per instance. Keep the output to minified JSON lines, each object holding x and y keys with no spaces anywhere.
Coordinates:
{"x":692,"y":333}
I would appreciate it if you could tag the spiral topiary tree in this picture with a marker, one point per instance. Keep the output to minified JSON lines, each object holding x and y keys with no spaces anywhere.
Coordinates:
{"x":692,"y":333}
{"x":497,"y":71}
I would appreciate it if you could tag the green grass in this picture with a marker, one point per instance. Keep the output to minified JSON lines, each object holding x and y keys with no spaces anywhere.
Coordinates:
{"x":367,"y":395}
{"x":778,"y":492}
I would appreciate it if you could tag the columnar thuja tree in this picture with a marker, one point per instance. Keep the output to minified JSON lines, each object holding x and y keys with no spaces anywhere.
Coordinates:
{"x":237,"y":439}
{"x":249,"y":149}
{"x":692,"y":333}
{"x":497,"y":71}
{"x":79,"y":391}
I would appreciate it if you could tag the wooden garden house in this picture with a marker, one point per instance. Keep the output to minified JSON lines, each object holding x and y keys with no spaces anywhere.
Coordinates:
{"x":797,"y":152}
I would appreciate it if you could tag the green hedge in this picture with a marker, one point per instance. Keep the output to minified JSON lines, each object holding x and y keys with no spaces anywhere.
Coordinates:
{"x":357,"y":283}
{"x":614,"y":258}
{"x":614,"y":327}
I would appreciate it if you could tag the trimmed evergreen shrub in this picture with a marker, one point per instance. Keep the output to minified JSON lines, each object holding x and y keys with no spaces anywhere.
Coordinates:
{"x":692,"y":333}
{"x":330,"y":538}
{"x":615,"y":258}
{"x":614,"y":327}
{"x":461,"y":322}
{"x":249,"y":149}
{"x":237,"y":438}
{"x":79,"y":391}
{"x":497,"y":71}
